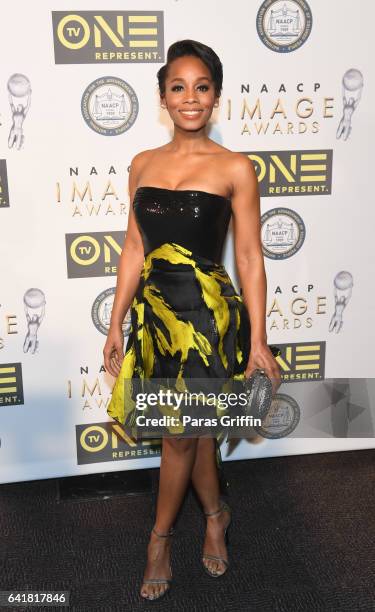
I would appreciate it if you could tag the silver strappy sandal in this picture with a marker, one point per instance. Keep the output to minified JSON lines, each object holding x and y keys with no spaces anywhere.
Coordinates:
{"x":224,"y":506}
{"x":167,"y":581}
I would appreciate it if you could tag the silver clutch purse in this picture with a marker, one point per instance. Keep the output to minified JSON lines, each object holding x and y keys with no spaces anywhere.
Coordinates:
{"x":258,"y":388}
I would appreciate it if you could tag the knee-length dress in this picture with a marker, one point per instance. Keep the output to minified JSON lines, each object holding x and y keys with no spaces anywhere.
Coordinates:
{"x":187,"y":319}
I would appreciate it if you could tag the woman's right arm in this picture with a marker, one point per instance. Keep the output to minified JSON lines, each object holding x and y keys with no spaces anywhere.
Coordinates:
{"x":128,"y":276}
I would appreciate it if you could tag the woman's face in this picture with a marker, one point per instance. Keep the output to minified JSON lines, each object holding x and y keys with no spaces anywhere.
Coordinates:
{"x":189,"y":93}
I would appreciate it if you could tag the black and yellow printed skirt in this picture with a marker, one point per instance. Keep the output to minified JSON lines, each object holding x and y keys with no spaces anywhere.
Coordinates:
{"x":187,"y":322}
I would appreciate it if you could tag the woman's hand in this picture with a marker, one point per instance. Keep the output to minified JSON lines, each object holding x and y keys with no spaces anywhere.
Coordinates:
{"x":261,"y":357}
{"x":114,"y":350}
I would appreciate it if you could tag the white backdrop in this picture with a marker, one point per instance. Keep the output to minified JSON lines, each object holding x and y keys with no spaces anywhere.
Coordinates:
{"x":63,"y":181}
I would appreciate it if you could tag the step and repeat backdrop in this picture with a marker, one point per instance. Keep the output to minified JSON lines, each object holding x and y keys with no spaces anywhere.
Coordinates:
{"x":78,"y":99}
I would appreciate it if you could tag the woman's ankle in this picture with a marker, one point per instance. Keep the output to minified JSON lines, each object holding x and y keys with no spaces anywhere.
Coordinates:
{"x":162,"y":532}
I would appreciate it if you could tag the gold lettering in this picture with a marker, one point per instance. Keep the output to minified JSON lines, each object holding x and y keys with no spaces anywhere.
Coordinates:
{"x":81,"y":196}
{"x":110,"y":33}
{"x":308,"y":111}
{"x":251,"y":113}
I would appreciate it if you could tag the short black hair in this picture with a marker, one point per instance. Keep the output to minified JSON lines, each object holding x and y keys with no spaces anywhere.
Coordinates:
{"x":192,"y":47}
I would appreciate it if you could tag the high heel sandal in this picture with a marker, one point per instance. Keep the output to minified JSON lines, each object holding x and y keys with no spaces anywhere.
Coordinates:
{"x":166,"y":581}
{"x":224,"y":506}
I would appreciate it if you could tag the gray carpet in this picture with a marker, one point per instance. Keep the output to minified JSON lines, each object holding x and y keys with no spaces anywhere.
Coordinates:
{"x":302,"y":539}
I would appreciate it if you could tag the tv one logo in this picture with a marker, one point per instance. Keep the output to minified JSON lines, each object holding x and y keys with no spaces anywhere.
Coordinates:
{"x":94,"y":254}
{"x":293,"y":173}
{"x":11,"y":384}
{"x":107,"y":441}
{"x":89,"y":37}
{"x":302,"y":361}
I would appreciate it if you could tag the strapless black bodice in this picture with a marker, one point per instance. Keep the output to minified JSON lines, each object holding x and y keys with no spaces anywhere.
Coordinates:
{"x":197,"y":220}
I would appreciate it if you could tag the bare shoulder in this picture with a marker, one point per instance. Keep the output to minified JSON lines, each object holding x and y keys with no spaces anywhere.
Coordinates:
{"x":139,"y":161}
{"x":142,"y":157}
{"x":242,"y":172}
{"x":237,"y":164}
{"x":241,"y":164}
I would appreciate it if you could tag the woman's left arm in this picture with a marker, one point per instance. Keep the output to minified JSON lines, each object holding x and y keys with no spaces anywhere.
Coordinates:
{"x":250,"y":263}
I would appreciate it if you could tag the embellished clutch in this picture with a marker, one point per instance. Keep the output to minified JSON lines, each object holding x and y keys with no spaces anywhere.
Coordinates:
{"x":258,"y":388}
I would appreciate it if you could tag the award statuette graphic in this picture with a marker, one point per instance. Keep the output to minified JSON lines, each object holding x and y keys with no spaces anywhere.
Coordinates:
{"x":343,"y":283}
{"x":352,"y":85}
{"x":34,"y":301}
{"x":19,"y":92}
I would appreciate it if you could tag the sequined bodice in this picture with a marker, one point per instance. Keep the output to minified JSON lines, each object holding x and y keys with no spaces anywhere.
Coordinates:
{"x":198,"y":220}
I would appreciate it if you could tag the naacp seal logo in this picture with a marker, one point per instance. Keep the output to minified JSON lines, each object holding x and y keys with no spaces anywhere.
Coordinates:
{"x":282,"y":418}
{"x":109,"y":106}
{"x":101,"y":312}
{"x":283,"y":233}
{"x":284,"y":25}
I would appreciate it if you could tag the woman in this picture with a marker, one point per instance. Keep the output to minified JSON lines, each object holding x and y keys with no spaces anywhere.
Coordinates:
{"x":187,"y":318}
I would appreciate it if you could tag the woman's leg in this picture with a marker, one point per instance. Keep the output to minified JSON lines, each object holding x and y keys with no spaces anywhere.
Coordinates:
{"x":177,"y":460}
{"x":206,"y":483}
{"x":205,"y":475}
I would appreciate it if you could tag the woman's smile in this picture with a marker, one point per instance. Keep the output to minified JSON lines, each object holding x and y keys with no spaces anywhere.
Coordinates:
{"x":191,"y":114}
